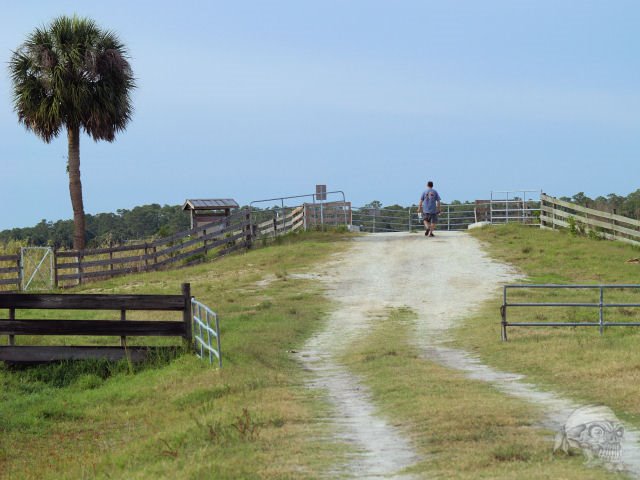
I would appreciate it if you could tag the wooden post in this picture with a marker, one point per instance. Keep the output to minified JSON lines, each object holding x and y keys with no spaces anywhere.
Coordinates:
{"x":155,"y":254}
{"x":12,"y":316}
{"x":111,"y":262}
{"x":146,"y":259}
{"x":79,"y":257}
{"x":123,"y":318}
{"x":19,"y":267}
{"x":248,"y":230}
{"x":55,"y":268}
{"x":186,"y":313}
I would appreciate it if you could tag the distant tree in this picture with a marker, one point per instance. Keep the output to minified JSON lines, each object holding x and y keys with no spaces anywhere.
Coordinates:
{"x":581,"y":199}
{"x":74,"y":75}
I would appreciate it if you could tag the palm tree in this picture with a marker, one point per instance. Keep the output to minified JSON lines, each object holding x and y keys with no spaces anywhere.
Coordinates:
{"x":72,"y":74}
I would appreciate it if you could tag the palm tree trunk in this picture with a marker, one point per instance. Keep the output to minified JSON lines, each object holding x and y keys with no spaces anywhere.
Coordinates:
{"x":75,"y":188}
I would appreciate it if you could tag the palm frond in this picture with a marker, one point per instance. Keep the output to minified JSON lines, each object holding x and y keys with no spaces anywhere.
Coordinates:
{"x":71,"y":73}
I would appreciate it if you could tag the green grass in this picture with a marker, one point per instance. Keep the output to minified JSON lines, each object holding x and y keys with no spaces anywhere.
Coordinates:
{"x":464,"y":429}
{"x":181,"y":418}
{"x":576,"y":361}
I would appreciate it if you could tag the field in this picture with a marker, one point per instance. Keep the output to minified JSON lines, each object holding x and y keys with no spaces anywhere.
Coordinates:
{"x":576,"y":361}
{"x":256,"y":418}
{"x":182,"y":418}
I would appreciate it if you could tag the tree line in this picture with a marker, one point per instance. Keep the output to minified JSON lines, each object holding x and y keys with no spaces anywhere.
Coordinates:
{"x":105,"y":229}
{"x":627,"y":206}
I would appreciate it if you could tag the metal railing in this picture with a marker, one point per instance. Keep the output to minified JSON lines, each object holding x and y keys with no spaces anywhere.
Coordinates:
{"x":380,"y":219}
{"x":600,"y":305}
{"x":279,"y":207}
{"x":206,"y":331}
{"x":509,"y":206}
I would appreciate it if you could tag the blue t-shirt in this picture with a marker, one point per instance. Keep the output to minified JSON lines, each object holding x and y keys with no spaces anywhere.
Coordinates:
{"x":429,"y":198}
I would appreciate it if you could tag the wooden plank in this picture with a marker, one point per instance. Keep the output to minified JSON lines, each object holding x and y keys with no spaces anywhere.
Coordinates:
{"x":196,"y":240}
{"x":9,"y":281}
{"x":591,"y":221}
{"x":99,"y":251}
{"x":9,"y":270}
{"x":187,"y":317}
{"x":561,"y":223}
{"x":41,"y":354}
{"x":590,"y":211}
{"x":101,"y":273}
{"x":265,"y":224}
{"x":101,"y":263}
{"x":141,"y":328}
{"x":231,"y":220}
{"x":9,"y":258}
{"x":91,"y":301}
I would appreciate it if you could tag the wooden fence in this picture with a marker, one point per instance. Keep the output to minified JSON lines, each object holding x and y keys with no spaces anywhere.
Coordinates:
{"x":238,"y":231}
{"x":10,"y":272}
{"x":292,"y":221}
{"x":74,"y":267}
{"x":123,"y":327}
{"x":556,"y":213}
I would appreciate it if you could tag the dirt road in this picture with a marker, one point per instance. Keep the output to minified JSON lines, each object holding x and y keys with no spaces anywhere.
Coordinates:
{"x":442,"y":279}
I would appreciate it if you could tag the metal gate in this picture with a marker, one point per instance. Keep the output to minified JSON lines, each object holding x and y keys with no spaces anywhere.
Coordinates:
{"x":520,"y":206}
{"x":37,"y":268}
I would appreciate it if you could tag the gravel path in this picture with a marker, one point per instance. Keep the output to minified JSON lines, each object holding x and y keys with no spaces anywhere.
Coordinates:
{"x":442,"y":279}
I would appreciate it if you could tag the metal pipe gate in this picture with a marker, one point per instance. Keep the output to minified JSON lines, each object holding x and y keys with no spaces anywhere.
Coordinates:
{"x":600,"y":305}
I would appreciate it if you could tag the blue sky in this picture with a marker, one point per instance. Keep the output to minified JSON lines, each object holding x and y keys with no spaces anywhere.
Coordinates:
{"x":254,"y":99}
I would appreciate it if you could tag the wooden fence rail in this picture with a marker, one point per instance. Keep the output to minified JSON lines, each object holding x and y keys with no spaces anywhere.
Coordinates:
{"x":292,"y":221}
{"x":74,"y":267}
{"x":555,"y":213}
{"x":123,"y":327}
{"x":10,"y":272}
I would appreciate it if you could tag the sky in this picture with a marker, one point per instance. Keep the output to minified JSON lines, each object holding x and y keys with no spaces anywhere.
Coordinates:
{"x":253,"y":99}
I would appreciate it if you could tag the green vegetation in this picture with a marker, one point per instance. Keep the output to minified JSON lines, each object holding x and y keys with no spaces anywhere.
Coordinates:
{"x":576,"y":361}
{"x":72,"y":75}
{"x":628,"y":206}
{"x":182,"y":418}
{"x":464,"y":429}
{"x":104,"y":229}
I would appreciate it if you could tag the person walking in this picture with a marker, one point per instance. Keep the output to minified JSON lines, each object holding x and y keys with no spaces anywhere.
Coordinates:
{"x":430,"y":207}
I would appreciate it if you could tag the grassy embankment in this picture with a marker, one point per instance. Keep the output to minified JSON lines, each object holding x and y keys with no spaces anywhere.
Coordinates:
{"x":466,"y":429}
{"x":183,"y":418}
{"x":577,"y":361}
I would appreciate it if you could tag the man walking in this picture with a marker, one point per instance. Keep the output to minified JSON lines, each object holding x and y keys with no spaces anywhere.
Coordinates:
{"x":430,"y":207}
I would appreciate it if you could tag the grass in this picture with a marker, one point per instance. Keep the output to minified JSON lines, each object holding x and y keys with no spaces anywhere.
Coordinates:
{"x":463,"y":429}
{"x":181,"y":418}
{"x":576,"y":361}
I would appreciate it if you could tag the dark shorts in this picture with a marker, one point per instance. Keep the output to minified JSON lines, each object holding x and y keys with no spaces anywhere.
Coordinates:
{"x":430,"y":217}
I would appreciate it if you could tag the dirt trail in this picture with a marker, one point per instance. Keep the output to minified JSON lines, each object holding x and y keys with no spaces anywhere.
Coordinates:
{"x":442,"y":279}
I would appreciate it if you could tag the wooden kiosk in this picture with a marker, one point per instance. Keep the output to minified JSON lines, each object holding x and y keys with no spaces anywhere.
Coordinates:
{"x":212,"y":210}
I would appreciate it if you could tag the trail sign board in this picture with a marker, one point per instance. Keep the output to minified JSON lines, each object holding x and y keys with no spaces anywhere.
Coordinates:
{"x":321,"y":192}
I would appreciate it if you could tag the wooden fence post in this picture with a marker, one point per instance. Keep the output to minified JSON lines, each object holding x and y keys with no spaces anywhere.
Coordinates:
{"x":186,"y":314}
{"x":12,"y":317}
{"x":55,"y":267}
{"x":79,"y":257}
{"x":248,"y":230}
{"x":19,"y":267}
{"x":123,"y":318}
